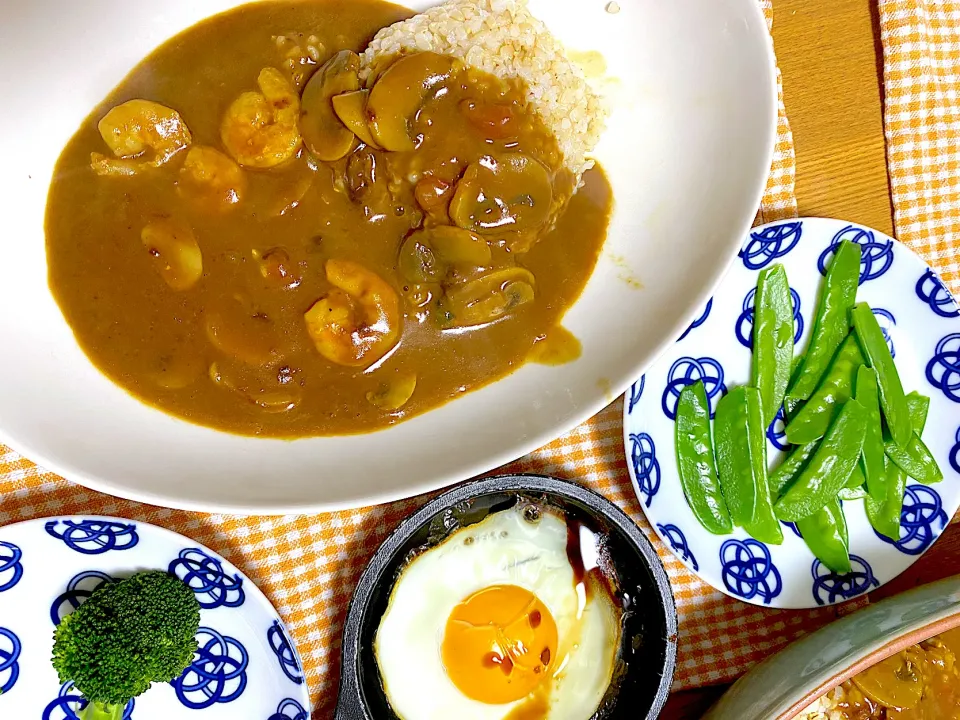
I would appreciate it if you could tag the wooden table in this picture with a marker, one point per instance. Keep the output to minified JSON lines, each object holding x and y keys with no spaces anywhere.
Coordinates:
{"x":831,"y":58}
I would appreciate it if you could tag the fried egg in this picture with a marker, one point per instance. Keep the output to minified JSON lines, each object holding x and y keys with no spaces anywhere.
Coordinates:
{"x":495,"y":623}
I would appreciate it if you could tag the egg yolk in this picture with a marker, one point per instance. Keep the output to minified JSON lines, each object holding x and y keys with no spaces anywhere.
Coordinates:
{"x":499,"y":644}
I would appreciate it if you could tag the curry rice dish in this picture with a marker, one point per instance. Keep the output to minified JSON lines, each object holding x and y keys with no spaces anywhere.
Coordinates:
{"x":274,"y":226}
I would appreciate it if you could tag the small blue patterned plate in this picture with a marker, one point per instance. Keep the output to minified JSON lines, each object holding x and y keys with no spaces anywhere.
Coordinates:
{"x":922,"y":324}
{"x":246,"y":666}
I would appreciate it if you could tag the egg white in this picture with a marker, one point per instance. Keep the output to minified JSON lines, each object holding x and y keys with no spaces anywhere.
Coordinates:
{"x":503,"y":549}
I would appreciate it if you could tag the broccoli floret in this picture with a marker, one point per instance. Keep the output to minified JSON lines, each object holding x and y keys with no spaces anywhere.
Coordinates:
{"x":126,"y":636}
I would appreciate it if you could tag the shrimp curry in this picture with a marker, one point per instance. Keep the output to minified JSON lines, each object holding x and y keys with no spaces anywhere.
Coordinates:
{"x":250,"y":235}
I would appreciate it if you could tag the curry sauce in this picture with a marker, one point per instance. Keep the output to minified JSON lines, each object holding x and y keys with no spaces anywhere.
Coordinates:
{"x":353,"y":260}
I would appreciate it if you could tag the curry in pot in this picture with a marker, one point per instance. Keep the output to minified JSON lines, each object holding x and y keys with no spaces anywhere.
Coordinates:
{"x":249,"y":234}
{"x":920,"y":683}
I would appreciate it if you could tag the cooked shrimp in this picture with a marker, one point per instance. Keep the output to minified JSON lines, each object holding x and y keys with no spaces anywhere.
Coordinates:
{"x":261,"y":129}
{"x":210,"y":179}
{"x":358,"y":321}
{"x":141,"y":134}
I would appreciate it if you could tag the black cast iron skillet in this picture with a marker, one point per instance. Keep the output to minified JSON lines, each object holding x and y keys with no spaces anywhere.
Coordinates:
{"x":649,"y":643}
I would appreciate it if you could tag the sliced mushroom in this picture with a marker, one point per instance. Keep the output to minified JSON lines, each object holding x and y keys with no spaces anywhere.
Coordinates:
{"x":393,"y":394}
{"x":323,"y":132}
{"x":175,"y":253}
{"x":426,"y":255}
{"x":417,"y":262}
{"x":489,"y":297}
{"x":511,"y":193}
{"x":259,"y":387}
{"x":244,"y":335}
{"x":400,"y":92}
{"x":895,"y":682}
{"x":351,"y":108}
{"x":456,"y":245}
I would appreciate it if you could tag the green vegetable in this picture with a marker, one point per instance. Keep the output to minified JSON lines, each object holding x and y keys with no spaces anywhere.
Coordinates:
{"x":915,"y":460}
{"x":126,"y":636}
{"x":788,"y":471}
{"x":854,"y":488}
{"x":884,"y":516}
{"x":813,"y":419}
{"x":838,"y":295}
{"x":740,"y":451}
{"x":875,"y":349}
{"x":698,"y":472}
{"x":772,"y":339}
{"x":918,"y":406}
{"x":852,"y":493}
{"x":868,"y":395}
{"x":825,"y":533}
{"x":791,"y":405}
{"x":829,"y":468}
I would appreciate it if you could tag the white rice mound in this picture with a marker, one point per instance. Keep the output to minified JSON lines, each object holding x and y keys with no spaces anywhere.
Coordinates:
{"x":501,"y":37}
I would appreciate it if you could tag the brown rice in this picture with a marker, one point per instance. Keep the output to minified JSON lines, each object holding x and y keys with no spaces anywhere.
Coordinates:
{"x":502,"y":37}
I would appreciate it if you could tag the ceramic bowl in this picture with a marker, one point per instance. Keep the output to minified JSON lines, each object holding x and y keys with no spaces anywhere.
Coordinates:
{"x":783,"y":685}
{"x":687,"y":150}
{"x":649,"y":636}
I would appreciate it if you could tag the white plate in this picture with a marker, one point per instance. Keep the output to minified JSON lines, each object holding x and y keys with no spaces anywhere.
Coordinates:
{"x":922,"y":324}
{"x":688,"y":150}
{"x":246,"y":666}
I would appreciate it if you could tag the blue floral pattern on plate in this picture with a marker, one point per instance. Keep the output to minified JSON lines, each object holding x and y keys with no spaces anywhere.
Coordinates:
{"x":206,"y":577}
{"x":80,"y":587}
{"x":11,"y":569}
{"x":218,"y":673}
{"x":922,"y":327}
{"x":286,"y":655}
{"x":68,"y":704}
{"x":50,"y":567}
{"x":829,"y":587}
{"x":646,"y":467}
{"x":688,"y":370}
{"x":10,"y":649}
{"x":933,"y":292}
{"x":920,"y":517}
{"x":290,"y":709}
{"x":678,"y":542}
{"x":94,"y":537}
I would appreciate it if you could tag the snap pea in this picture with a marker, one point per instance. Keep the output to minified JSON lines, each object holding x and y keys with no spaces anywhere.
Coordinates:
{"x":740,"y":446}
{"x":829,"y":468}
{"x":852,"y":493}
{"x":918,"y":406}
{"x":915,"y":460}
{"x":698,"y":471}
{"x":788,"y":471}
{"x":791,"y":405}
{"x":854,"y":488}
{"x":884,"y":515}
{"x":772,"y":339}
{"x":868,"y":395}
{"x":837,"y":296}
{"x":826,"y":534}
{"x":813,"y":419}
{"x":877,"y":353}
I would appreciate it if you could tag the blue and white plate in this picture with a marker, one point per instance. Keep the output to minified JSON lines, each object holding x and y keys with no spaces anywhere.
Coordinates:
{"x":922,"y":324}
{"x":246,"y":666}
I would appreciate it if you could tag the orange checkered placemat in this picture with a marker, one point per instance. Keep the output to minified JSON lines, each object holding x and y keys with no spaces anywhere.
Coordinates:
{"x":921,"y":75}
{"x":308,"y":565}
